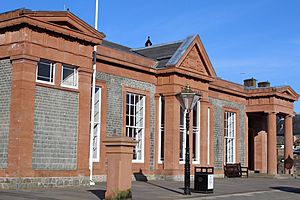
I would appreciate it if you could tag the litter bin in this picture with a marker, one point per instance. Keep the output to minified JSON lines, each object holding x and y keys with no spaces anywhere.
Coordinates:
{"x":204,"y":179}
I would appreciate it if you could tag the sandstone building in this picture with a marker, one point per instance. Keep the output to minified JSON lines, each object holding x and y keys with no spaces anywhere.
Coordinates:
{"x":46,"y":72}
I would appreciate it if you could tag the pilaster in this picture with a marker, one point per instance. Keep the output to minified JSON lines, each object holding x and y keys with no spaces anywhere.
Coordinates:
{"x":22,"y":116}
{"x":272,"y":156}
{"x":84,"y":87}
{"x":172,"y":132}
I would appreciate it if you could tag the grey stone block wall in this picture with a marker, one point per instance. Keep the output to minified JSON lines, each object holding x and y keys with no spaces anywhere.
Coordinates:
{"x":55,"y":129}
{"x":114,"y":114}
{"x":5,"y":98}
{"x":41,"y":182}
{"x":219,"y":126}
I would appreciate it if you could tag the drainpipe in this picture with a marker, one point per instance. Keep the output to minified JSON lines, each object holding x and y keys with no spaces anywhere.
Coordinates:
{"x":93,"y":102}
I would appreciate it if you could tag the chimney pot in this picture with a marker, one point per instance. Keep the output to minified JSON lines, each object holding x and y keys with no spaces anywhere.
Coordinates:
{"x":264,"y":84}
{"x":250,"y":82}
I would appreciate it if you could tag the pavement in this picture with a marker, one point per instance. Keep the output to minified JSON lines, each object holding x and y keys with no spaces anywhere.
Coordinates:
{"x":227,"y":188}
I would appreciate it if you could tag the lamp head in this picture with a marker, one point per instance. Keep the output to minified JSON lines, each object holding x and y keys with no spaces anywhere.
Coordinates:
{"x":188,"y":98}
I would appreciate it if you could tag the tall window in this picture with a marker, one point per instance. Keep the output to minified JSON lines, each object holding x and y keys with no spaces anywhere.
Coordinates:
{"x":196,"y":133}
{"x":69,"y":76}
{"x":182,"y":136}
{"x":135,"y":123}
{"x":45,"y":72}
{"x":229,"y":136}
{"x":161,"y":136}
{"x":97,"y":120}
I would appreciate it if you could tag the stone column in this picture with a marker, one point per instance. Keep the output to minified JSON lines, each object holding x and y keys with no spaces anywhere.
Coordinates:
{"x":288,"y":138}
{"x":272,"y":155}
{"x":119,"y":151}
{"x":172,"y":134}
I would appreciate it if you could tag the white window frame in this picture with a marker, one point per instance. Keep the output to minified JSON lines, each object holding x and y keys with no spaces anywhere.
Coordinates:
{"x":141,"y":141}
{"x":183,"y":132}
{"x":97,"y":123}
{"x":52,"y":72}
{"x":75,"y":70}
{"x":160,"y":129}
{"x":196,"y":130}
{"x":229,"y":137}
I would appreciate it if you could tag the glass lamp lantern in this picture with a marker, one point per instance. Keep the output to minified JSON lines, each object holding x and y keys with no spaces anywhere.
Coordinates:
{"x":187,"y":98}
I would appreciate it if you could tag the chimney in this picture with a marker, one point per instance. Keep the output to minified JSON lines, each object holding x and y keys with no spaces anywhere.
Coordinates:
{"x":148,"y":42}
{"x":250,"y":82}
{"x":264,"y":84}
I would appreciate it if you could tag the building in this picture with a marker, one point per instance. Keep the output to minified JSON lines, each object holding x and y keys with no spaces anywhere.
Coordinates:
{"x":46,"y":71}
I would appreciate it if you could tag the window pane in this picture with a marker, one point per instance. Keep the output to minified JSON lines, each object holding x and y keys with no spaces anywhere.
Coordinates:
{"x":69,"y":76}
{"x":95,"y":141}
{"x":127,"y":99}
{"x":195,"y":115}
{"x":45,"y":71}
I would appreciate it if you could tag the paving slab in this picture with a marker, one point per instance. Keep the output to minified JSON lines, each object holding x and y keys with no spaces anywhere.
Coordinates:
{"x":234,"y":188}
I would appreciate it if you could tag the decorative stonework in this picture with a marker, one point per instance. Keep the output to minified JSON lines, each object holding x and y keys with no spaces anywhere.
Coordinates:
{"x":194,"y":61}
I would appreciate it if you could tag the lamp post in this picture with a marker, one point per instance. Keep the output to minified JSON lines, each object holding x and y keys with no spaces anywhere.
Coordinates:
{"x":188,"y":100}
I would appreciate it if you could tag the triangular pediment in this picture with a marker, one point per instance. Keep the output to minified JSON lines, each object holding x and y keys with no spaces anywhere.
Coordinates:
{"x":66,"y":20}
{"x":289,"y":92}
{"x":195,"y":59}
{"x":61,"y":22}
{"x":67,"y":25}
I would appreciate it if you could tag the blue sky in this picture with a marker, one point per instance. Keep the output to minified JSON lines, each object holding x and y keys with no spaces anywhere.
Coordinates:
{"x":244,"y":39}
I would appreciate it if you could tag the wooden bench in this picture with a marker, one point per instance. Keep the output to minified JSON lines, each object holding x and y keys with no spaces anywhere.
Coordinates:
{"x":235,"y":170}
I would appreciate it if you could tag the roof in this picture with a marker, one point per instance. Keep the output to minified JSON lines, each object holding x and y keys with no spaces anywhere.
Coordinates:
{"x":115,"y":46}
{"x":165,"y":54}
{"x":161,"y":53}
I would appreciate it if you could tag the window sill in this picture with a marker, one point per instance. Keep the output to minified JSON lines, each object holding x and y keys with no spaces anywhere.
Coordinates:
{"x":68,"y":86}
{"x":45,"y":82}
{"x":138,"y":161}
{"x":56,"y":87}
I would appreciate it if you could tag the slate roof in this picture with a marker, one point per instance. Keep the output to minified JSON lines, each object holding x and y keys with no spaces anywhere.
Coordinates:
{"x":165,"y":54}
{"x":115,"y":46}
{"x":161,"y":53}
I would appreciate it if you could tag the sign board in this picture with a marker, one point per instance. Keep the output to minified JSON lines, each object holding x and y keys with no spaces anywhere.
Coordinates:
{"x":210,"y":181}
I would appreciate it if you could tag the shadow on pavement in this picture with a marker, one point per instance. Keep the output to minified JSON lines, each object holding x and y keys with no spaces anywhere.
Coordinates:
{"x":98,"y":193}
{"x":287,"y":189}
{"x":163,"y":187}
{"x":139,"y":176}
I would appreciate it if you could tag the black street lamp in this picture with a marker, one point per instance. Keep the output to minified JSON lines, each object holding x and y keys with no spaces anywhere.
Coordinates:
{"x":188,"y":100}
